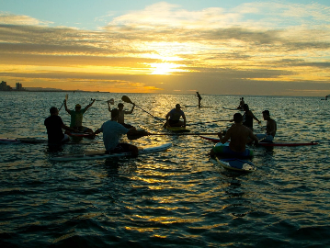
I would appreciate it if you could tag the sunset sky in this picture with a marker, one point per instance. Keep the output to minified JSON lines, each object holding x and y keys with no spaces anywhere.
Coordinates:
{"x":211,"y":46}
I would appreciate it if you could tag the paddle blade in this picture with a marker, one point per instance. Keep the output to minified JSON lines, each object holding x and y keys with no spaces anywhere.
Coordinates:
{"x":126,"y":99}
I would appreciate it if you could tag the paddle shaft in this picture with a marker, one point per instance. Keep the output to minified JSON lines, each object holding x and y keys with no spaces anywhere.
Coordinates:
{"x":66,"y":98}
{"x":205,"y":122}
{"x":127,"y":100}
{"x":174,"y":134}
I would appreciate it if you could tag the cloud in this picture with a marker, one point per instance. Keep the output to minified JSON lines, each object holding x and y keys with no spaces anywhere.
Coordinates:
{"x":255,"y":43}
{"x":11,"y":19}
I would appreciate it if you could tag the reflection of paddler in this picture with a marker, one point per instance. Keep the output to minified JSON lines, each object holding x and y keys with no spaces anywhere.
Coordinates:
{"x":239,"y":137}
{"x":77,"y":117}
{"x":173,"y":117}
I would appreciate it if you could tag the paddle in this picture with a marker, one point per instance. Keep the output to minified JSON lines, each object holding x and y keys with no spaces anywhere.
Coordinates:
{"x":111,"y":101}
{"x":205,"y":122}
{"x":66,"y":98}
{"x":127,"y":100}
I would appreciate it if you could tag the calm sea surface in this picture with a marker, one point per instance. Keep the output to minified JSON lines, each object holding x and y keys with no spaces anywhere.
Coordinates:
{"x":179,"y":197}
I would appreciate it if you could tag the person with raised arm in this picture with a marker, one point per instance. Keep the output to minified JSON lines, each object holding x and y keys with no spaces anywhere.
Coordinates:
{"x":77,"y":117}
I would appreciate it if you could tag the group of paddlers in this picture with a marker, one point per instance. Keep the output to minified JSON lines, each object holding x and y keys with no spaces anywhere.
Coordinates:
{"x":239,"y":134}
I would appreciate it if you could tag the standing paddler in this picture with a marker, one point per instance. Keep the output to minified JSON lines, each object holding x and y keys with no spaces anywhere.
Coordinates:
{"x":77,"y":117}
{"x":199,"y":99}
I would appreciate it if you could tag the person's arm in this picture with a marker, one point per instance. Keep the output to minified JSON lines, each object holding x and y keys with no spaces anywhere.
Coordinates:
{"x":184,"y":120}
{"x":253,"y":137}
{"x":66,"y":107}
{"x":69,"y":128}
{"x":226,"y":137}
{"x":89,"y":105}
{"x":97,"y":131}
{"x":130,"y":112}
{"x":109,"y":106}
{"x":253,"y":116}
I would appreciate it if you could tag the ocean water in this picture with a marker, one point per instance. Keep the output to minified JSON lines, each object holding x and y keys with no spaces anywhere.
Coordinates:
{"x":179,"y":197}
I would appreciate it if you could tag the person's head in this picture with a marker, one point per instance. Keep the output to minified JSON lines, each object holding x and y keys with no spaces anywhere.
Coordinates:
{"x":114,"y":114}
{"x":265,"y":114}
{"x":78,"y":107}
{"x":246,"y":107}
{"x":178,"y":107}
{"x":120,"y":106}
{"x":238,"y":118}
{"x":53,"y":111}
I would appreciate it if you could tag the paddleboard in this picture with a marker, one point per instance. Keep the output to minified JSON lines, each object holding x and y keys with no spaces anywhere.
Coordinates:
{"x":215,"y":140}
{"x":236,"y":164}
{"x":85,"y":135}
{"x":102,"y":155}
{"x":177,"y":129}
{"x":22,"y":140}
{"x":234,"y":109}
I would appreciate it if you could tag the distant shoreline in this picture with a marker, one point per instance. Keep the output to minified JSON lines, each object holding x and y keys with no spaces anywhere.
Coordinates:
{"x":61,"y":91}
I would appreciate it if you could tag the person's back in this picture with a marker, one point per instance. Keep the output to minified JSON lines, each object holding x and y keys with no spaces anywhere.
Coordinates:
{"x":112,"y":132}
{"x":239,"y":135}
{"x":54,"y":129}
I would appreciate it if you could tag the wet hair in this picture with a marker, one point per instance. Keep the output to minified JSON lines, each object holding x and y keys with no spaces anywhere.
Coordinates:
{"x":266,"y":112}
{"x":114,"y":113}
{"x":178,"y":106}
{"x":246,"y":107}
{"x":238,"y":118}
{"x":120,"y":105}
{"x":53,"y":110}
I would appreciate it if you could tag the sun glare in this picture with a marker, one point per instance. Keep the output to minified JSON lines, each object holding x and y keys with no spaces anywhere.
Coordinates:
{"x":164,"y":68}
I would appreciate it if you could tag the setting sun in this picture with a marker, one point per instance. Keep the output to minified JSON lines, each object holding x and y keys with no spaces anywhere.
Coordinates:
{"x":165,"y":68}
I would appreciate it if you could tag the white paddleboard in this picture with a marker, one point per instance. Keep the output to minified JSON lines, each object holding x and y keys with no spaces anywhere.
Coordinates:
{"x":102,"y":155}
{"x":236,"y":164}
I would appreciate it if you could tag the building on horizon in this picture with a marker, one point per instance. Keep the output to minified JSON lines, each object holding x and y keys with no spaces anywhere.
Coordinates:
{"x":5,"y":87}
{"x":19,"y":86}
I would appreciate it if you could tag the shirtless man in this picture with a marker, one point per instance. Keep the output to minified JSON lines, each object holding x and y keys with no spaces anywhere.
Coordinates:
{"x":271,"y":128}
{"x":239,"y":136}
{"x":173,"y":117}
{"x":122,"y":113}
